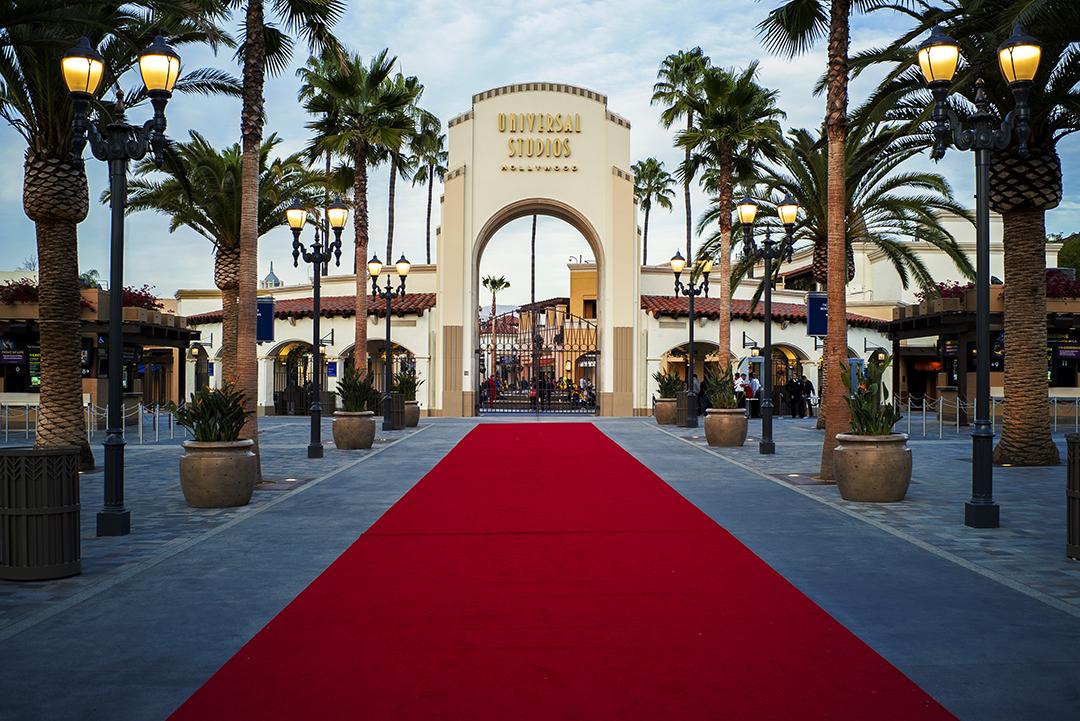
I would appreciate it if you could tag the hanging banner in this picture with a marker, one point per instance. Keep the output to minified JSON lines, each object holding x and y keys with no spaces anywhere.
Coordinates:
{"x":264,"y":320}
{"x":817,"y":313}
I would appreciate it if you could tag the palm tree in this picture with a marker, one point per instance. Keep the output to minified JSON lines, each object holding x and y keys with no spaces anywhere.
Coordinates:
{"x":532,"y":262}
{"x":200,"y":190}
{"x":495,"y":284}
{"x":737,"y":122}
{"x":678,"y":85}
{"x":357,"y":113}
{"x":886,"y":208}
{"x":401,"y":163}
{"x":33,"y":100}
{"x":792,"y":29}
{"x":651,"y":183}
{"x":1022,"y":190}
{"x":267,"y":47}
{"x":429,"y":149}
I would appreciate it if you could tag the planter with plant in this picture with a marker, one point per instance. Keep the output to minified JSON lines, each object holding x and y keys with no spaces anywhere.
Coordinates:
{"x":664,"y":407}
{"x":218,"y":469}
{"x":406,"y":383}
{"x":725,"y":420}
{"x":872,"y":463}
{"x":354,"y":424}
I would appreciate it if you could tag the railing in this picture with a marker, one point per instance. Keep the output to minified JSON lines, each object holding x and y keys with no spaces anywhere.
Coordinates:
{"x":149,"y":423}
{"x":922,"y":413}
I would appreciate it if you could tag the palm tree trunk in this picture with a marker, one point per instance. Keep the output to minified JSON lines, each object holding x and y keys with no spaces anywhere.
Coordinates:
{"x":645,"y":238}
{"x":686,"y":192}
{"x":834,"y":393}
{"x":226,"y":278}
{"x":390,"y":209}
{"x":724,"y":295}
{"x":430,"y":191}
{"x":1025,"y":434}
{"x":494,"y":345}
{"x":252,"y":117}
{"x":55,"y":197}
{"x":532,"y":269}
{"x":360,"y":256}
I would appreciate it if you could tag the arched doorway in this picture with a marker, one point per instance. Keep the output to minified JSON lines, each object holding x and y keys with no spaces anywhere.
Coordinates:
{"x":492,"y":182}
{"x":787,"y":363}
{"x":706,"y":360}
{"x":294,"y":373}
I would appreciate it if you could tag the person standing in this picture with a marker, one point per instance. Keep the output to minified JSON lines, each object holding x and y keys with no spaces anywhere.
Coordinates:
{"x":794,"y":391}
{"x":755,"y":388}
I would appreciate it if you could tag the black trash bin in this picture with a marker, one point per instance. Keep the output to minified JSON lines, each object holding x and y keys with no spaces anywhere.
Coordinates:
{"x":397,"y":411}
{"x":1072,"y":497}
{"x":39,"y":513}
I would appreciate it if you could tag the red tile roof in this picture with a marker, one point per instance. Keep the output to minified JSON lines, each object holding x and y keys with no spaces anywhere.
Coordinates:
{"x":336,"y":305}
{"x":667,"y":305}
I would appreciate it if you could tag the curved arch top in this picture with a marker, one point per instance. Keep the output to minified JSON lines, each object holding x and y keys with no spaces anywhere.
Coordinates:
{"x":538,"y":206}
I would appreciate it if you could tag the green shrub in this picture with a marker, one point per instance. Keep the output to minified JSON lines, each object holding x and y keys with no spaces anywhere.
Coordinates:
{"x":355,"y":391}
{"x":872,"y":414}
{"x":214,"y":416}
{"x":720,"y":388}
{"x":406,"y":383}
{"x":669,"y":383}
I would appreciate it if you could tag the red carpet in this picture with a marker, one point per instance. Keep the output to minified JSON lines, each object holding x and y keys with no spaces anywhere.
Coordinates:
{"x":540,"y":573}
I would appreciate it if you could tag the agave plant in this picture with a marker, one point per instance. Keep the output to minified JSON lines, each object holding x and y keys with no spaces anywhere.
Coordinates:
{"x":406,"y":383}
{"x":720,"y":388}
{"x":214,"y":416}
{"x":355,"y":389}
{"x":872,"y":414}
{"x":669,"y":383}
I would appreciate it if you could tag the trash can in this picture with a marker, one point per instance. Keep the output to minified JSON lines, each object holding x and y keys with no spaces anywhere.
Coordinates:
{"x":1072,"y":497}
{"x":39,"y":513}
{"x":686,"y":410}
{"x":397,"y":411}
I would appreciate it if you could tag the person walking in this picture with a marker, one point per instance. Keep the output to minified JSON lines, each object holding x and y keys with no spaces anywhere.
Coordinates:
{"x":808,"y":395}
{"x":755,"y":389}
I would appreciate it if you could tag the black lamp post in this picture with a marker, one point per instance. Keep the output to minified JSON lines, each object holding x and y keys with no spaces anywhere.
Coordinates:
{"x":1018,"y":59}
{"x":336,"y":214}
{"x":691,"y":291}
{"x":388,"y":294}
{"x":83,"y":69}
{"x":767,"y":251}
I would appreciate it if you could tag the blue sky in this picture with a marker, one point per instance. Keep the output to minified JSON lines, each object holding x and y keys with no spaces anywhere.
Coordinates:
{"x":457,"y":49}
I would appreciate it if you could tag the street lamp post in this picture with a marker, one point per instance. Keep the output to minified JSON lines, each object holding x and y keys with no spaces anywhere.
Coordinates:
{"x":83,"y":69}
{"x":767,"y":251}
{"x":691,"y":290}
{"x":318,"y":256}
{"x":1018,"y":59}
{"x":388,"y":294}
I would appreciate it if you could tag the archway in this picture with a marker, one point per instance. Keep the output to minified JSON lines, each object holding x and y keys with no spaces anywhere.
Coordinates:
{"x":501,"y":170}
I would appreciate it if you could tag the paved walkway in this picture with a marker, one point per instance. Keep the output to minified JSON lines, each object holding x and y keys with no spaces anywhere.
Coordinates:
{"x":987,"y":629}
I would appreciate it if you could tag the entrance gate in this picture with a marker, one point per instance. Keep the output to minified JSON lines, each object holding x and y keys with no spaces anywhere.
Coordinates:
{"x":537,"y":361}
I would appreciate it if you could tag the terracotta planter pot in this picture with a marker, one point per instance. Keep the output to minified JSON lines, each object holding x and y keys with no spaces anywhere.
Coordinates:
{"x":218,"y":475}
{"x":873,"y":469}
{"x":725,"y":427}
{"x":137,"y":315}
{"x":664,"y":411}
{"x":353,"y":431}
{"x":412,"y":414}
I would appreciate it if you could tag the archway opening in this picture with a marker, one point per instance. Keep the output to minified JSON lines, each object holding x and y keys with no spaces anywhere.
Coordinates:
{"x":536,"y":337}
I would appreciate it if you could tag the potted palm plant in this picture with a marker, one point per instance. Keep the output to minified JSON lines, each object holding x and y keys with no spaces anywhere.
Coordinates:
{"x":354,"y":424}
{"x":872,"y":463}
{"x":406,"y":383}
{"x":218,"y":468}
{"x":725,"y":420}
{"x":664,"y":408}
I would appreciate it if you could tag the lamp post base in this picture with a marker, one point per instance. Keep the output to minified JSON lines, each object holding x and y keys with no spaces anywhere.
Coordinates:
{"x":114,"y":523}
{"x":982,"y":515}
{"x":766,"y":448}
{"x":315,"y":451}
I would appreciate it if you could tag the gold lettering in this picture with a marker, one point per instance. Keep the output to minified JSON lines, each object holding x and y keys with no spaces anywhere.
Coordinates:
{"x":547,"y":147}
{"x":510,"y":145}
{"x":520,"y":145}
{"x":502,"y":122}
{"x":558,"y":123}
{"x":577,"y":122}
{"x":532,"y":122}
{"x":529,"y":148}
{"x":540,"y":122}
{"x":566,"y":147}
{"x":513,"y":123}
{"x":550,"y":123}
{"x":557,"y":148}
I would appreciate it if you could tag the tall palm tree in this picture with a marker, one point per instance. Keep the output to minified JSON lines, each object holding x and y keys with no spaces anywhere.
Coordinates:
{"x":401,"y":163}
{"x":1021,"y":190}
{"x":429,"y":149}
{"x":199,"y":188}
{"x":267,"y":48}
{"x":737,"y":122}
{"x":357,"y":113}
{"x":678,"y":85}
{"x":33,"y":100}
{"x":886,"y":207}
{"x":532,"y":262}
{"x":495,"y":284}
{"x":652,"y":183}
{"x":792,"y":29}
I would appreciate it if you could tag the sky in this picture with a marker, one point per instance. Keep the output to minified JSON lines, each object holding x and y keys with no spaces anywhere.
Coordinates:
{"x":456,"y":50}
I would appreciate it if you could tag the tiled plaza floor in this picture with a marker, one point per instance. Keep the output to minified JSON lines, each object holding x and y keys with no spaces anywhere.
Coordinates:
{"x":1027,"y":550}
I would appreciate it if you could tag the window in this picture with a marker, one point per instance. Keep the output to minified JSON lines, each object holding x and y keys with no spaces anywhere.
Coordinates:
{"x":588,"y":309}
